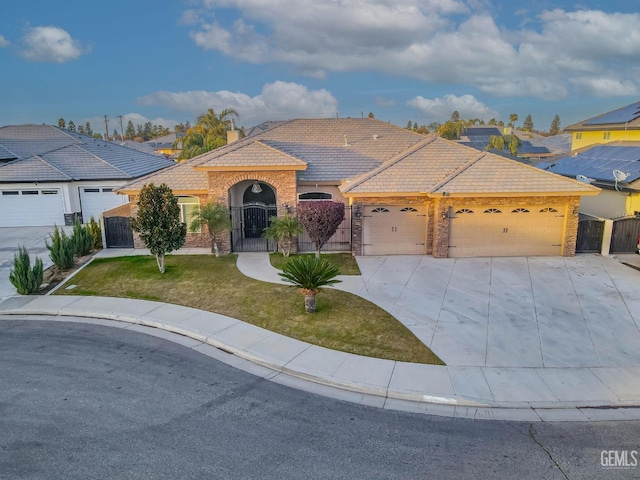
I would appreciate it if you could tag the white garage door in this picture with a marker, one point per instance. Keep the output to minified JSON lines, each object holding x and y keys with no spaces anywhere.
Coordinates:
{"x":95,"y":200}
{"x":394,"y":230}
{"x":31,"y":207}
{"x":503,"y":231}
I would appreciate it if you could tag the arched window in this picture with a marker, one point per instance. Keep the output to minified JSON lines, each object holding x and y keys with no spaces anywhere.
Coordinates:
{"x":492,"y":210}
{"x":464,"y":210}
{"x":380,"y":210}
{"x":519,"y":210}
{"x":408,"y":209}
{"x":548,"y":210}
{"x":315,"y":196}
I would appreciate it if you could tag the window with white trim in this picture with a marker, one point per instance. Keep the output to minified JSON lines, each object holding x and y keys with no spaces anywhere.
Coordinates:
{"x":309,"y":196}
{"x":188,"y":205}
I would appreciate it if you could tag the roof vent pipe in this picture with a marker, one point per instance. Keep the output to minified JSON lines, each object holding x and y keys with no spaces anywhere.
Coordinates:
{"x":346,"y":143}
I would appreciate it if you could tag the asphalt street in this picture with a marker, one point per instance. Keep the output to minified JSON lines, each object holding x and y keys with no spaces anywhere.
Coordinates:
{"x":88,"y":401}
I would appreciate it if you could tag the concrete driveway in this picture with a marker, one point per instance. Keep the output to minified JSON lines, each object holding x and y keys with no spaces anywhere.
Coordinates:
{"x":33,"y":238}
{"x":513,"y":312}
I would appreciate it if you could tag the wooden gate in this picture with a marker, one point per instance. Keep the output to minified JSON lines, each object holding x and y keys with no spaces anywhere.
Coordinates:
{"x":118,"y":232}
{"x":624,"y":238}
{"x":590,"y":234}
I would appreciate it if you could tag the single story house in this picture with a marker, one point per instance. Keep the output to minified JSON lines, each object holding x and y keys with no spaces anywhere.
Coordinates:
{"x":407,"y":193}
{"x":596,"y":164}
{"x":49,"y":175}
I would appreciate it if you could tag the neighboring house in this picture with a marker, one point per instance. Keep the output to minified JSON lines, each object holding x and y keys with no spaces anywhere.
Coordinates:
{"x":478,"y":138}
{"x":166,"y":145}
{"x":409,"y":194}
{"x":49,"y":175}
{"x":140,"y":146}
{"x":622,"y":124}
{"x":597,"y":163}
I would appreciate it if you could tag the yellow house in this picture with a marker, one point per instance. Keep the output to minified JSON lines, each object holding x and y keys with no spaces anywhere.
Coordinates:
{"x":622,"y":124}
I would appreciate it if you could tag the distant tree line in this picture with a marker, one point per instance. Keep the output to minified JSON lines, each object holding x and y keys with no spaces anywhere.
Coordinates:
{"x":139,"y":132}
{"x":453,"y":128}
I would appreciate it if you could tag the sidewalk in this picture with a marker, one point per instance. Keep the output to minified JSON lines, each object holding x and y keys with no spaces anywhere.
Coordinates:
{"x":521,"y":394}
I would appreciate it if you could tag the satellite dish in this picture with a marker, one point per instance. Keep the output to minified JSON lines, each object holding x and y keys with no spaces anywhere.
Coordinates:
{"x":620,"y":176}
{"x":584,"y":179}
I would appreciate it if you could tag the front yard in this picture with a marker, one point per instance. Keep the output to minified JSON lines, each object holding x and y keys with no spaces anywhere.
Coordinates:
{"x":343,"y":321}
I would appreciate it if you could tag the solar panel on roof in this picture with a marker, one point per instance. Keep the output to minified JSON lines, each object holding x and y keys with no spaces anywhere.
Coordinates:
{"x":622,"y":115}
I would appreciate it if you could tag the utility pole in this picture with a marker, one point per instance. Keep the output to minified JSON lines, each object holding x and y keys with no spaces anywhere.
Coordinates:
{"x":106,"y":128}
{"x":121,"y":129}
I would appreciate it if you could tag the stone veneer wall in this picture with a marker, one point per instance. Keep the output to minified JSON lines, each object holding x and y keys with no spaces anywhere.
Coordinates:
{"x":283,"y":182}
{"x":441,"y":226}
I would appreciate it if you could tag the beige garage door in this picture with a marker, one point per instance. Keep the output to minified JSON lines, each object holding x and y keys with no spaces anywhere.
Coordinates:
{"x":394,"y":230}
{"x":501,"y":231}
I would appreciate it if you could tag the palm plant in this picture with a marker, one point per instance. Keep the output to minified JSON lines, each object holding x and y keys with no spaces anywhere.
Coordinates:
{"x":216,"y":217}
{"x":210,"y":132}
{"x":284,"y":230}
{"x":309,"y":274}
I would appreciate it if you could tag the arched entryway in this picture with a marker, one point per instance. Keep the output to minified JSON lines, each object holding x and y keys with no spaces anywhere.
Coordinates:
{"x":253,"y":203}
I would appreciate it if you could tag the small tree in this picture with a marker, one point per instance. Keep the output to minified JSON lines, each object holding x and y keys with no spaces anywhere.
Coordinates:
{"x":527,"y":126}
{"x":26,"y":279}
{"x":81,"y":238}
{"x":555,"y":125}
{"x":504,"y":142}
{"x":283,"y":230}
{"x":61,"y":249}
{"x":309,"y":274}
{"x":321,"y":220}
{"x":217,"y":219}
{"x":158,"y":221}
{"x":96,"y":234}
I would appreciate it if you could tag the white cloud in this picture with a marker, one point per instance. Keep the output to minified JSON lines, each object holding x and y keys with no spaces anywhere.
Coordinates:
{"x":277,"y":101}
{"x":4,"y":42}
{"x":51,"y":44}
{"x":552,"y":56}
{"x":440,"y":109}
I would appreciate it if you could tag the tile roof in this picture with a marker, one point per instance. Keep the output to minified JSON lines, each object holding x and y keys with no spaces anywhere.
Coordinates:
{"x":47,"y":153}
{"x":377,"y":157}
{"x":438,"y":165}
{"x":254,"y":155}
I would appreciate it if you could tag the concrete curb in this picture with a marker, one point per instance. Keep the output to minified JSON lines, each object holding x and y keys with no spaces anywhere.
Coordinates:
{"x":163,"y":317}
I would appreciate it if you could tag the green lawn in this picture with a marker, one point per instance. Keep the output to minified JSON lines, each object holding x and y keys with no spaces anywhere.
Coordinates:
{"x":343,"y":321}
{"x":344,"y":261}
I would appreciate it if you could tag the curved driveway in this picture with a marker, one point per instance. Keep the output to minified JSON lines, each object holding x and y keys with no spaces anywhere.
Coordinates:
{"x":88,"y":401}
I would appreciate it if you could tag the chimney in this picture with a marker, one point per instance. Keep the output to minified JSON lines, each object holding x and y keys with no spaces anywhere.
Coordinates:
{"x":233,"y":135}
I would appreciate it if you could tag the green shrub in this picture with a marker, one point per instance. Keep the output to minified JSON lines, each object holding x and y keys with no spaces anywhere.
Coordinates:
{"x":81,"y":239}
{"x":26,"y":279}
{"x":96,"y":233}
{"x":309,"y":274}
{"x":61,"y":249}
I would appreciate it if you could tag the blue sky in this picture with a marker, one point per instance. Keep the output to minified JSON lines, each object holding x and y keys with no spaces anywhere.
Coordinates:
{"x":167,"y":61}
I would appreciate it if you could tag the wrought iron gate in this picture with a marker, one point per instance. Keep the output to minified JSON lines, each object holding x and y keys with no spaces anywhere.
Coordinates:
{"x":248,"y":224}
{"x":624,"y":238}
{"x":590,"y":233}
